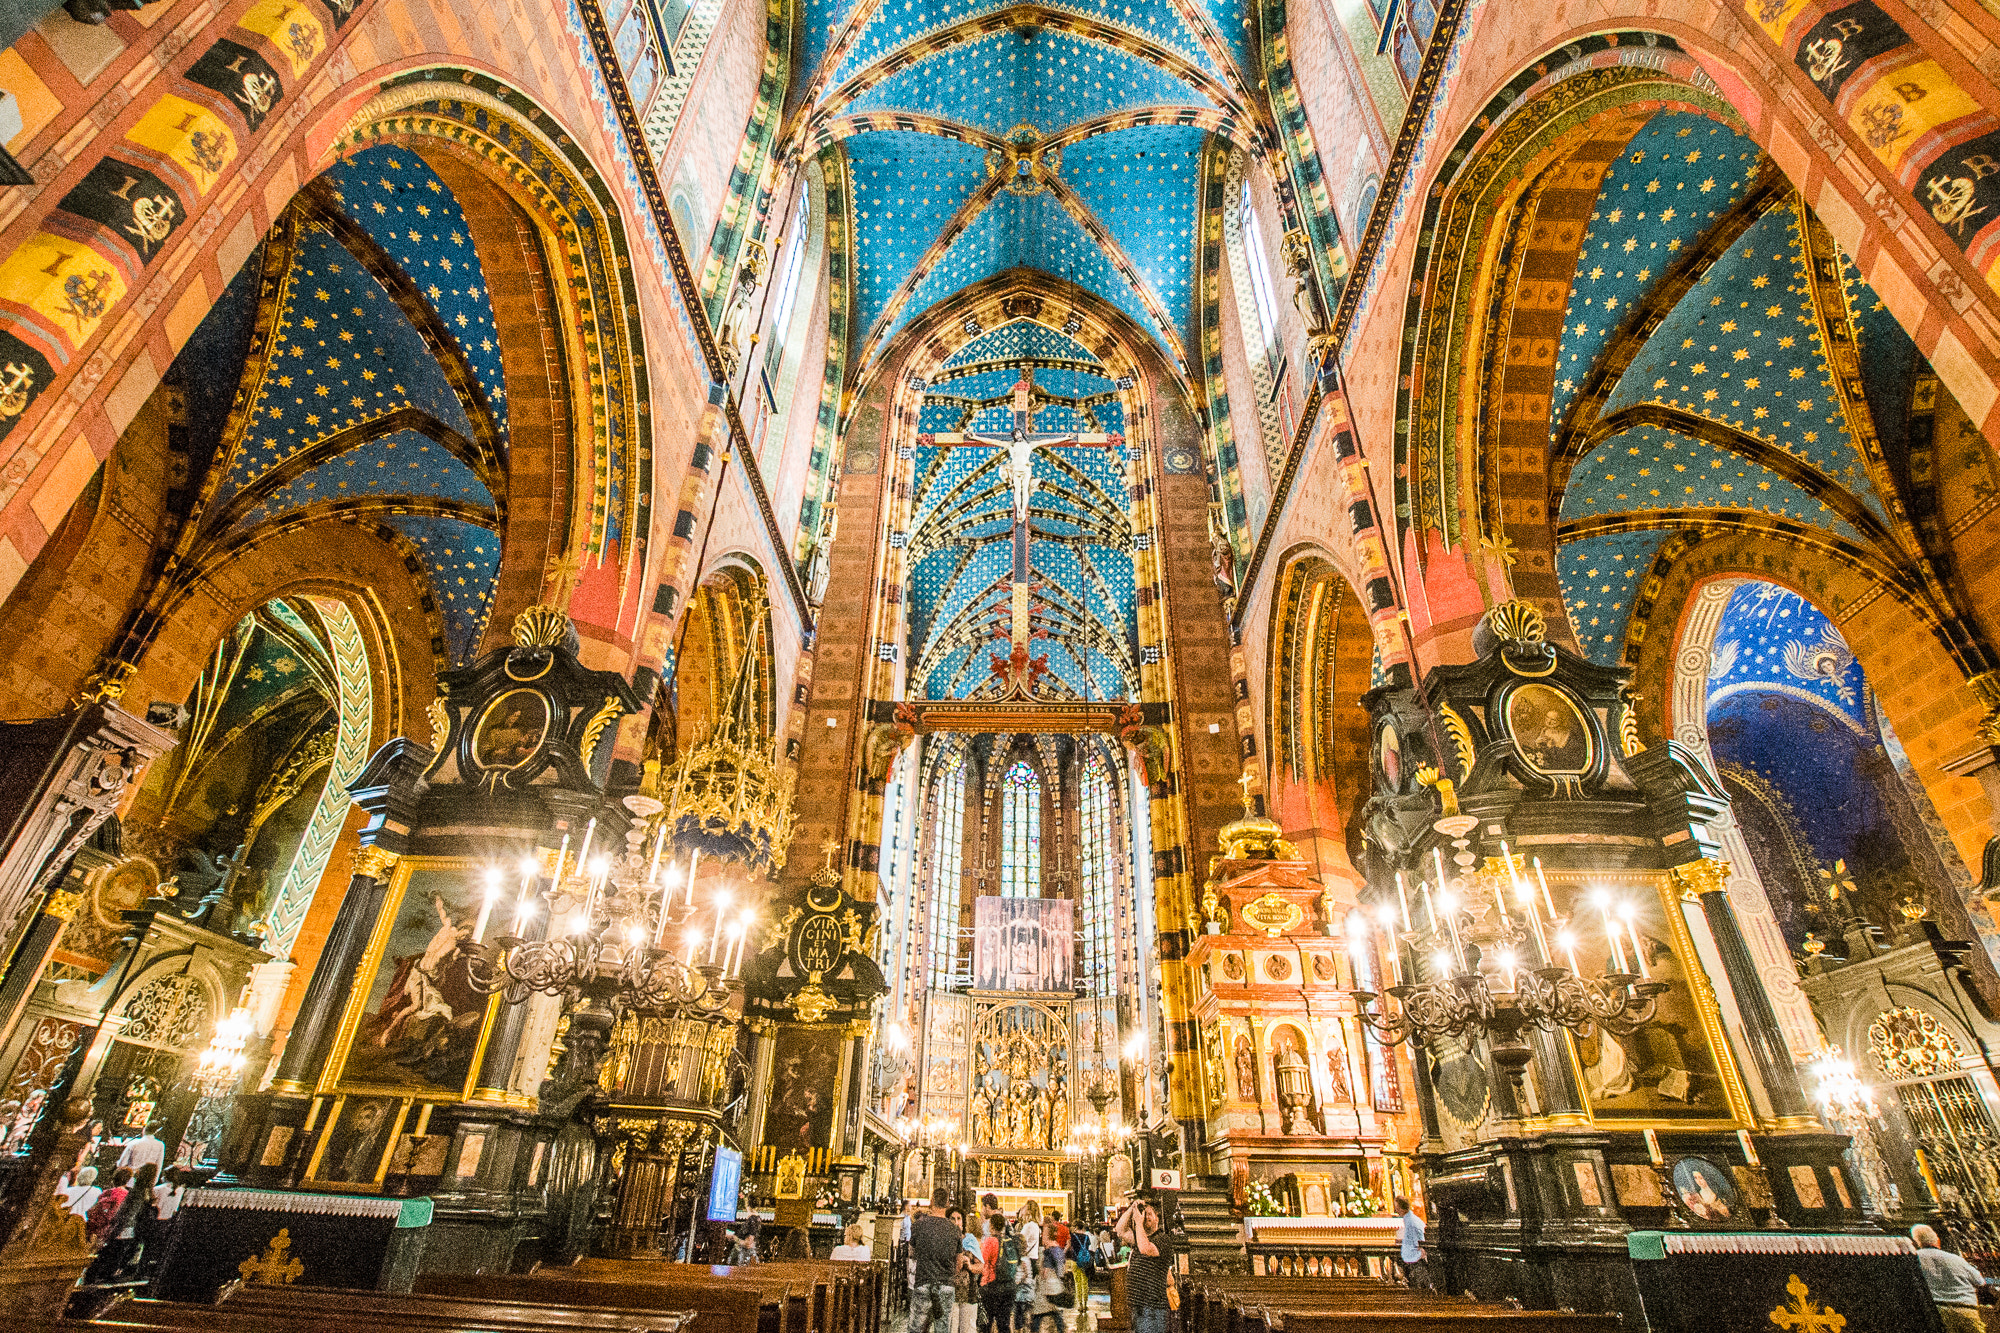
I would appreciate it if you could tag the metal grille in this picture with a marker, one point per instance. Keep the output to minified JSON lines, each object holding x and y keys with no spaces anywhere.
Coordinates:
{"x":1951,"y":1124}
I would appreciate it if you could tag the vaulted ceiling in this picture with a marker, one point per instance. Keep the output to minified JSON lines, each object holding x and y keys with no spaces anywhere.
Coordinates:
{"x":984,"y":137}
{"x":1081,"y":614}
{"x":1694,"y":381}
{"x":353,"y":372}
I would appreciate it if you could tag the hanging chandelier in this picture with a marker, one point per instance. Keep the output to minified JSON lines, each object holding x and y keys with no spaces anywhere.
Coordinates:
{"x":625,"y":929}
{"x":221,"y":1064}
{"x":1518,"y":982}
{"x":621,"y":930}
{"x":1839,"y":1090}
{"x":728,"y":797}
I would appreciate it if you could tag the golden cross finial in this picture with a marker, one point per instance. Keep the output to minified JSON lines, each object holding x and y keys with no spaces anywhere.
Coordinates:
{"x":563,"y":569}
{"x":1246,"y":782}
{"x":827,"y":849}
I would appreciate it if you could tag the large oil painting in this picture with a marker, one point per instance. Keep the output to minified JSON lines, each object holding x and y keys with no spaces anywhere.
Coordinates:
{"x":805,"y":1073}
{"x":1666,"y":1070}
{"x":419,"y":1022}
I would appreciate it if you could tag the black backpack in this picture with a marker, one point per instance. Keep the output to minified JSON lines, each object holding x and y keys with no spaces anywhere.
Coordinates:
{"x":1007,"y":1272}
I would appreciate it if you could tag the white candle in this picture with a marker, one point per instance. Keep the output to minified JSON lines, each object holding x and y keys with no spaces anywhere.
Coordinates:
{"x":1615,"y":948}
{"x":694,"y":859}
{"x":659,"y":845}
{"x":1568,"y":943}
{"x":583,"y":853}
{"x":486,"y":907}
{"x":1437,"y":855}
{"x":561,"y":854}
{"x":1638,"y":946}
{"x":1548,"y":903}
{"x":1403,"y":900}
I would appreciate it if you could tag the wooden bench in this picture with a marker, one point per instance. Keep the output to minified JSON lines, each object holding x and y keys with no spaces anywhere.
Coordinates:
{"x":367,"y":1312}
{"x":837,"y":1297}
{"x":1443,"y":1321}
{"x":719,"y":1305}
{"x":1363,"y":1305}
{"x":290,"y":1301}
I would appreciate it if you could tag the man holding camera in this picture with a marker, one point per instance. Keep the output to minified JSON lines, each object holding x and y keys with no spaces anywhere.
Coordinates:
{"x":1150,"y":1293}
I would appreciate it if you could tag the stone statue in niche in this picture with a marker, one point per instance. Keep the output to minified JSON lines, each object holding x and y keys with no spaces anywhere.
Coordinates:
{"x":1336,"y":1073}
{"x":1222,"y":559}
{"x":1294,"y":1080}
{"x":1246,"y":1071}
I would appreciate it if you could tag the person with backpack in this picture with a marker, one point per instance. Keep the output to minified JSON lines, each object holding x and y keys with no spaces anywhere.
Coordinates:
{"x":1000,"y":1261}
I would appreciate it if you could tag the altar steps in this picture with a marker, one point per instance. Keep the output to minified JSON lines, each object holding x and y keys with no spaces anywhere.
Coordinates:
{"x":1214,"y":1232}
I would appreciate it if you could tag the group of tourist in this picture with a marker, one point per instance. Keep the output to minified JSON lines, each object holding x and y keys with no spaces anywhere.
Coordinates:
{"x":1006,"y":1274}
{"x":127,"y":1221}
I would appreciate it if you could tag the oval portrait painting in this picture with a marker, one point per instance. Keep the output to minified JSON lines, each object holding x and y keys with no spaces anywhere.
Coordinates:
{"x":1549,"y":730}
{"x":511,"y":730}
{"x":1705,"y":1189}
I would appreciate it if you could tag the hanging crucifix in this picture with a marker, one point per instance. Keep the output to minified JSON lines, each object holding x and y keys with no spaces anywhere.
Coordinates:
{"x":1017,"y":672}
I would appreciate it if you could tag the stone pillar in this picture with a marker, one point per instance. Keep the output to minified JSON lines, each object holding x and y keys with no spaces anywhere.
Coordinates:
{"x":313,"y":1032}
{"x":389,"y":790}
{"x":1707,"y":879}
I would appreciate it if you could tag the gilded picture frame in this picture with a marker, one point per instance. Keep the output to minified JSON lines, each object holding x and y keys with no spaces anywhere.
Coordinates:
{"x":1688,"y":1011}
{"x":353,"y":1147}
{"x":413,"y":1028}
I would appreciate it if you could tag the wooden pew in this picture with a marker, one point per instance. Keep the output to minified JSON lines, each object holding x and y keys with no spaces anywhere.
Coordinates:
{"x":718,"y":1305}
{"x":268,"y":1300}
{"x":388,"y":1314}
{"x":837,"y":1297}
{"x":1441,"y":1321}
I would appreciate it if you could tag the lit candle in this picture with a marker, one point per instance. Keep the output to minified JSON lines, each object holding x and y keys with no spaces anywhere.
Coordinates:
{"x":1430,"y":910}
{"x":659,"y":846}
{"x":694,"y":859}
{"x":561,"y":853}
{"x":1638,"y":946}
{"x":715,"y":933}
{"x":1611,"y":940}
{"x":1568,"y":943}
{"x":1437,"y":855}
{"x":1749,"y":1148}
{"x":486,"y":907}
{"x":1403,"y":900}
{"x":583,"y":853}
{"x":1396,"y":962}
{"x":1548,"y":903}
{"x":1653,"y":1148}
{"x":1450,"y":905}
{"x":526,"y":906}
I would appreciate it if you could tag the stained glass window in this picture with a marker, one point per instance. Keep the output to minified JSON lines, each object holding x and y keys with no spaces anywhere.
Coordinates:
{"x":1097,"y":909}
{"x":1260,"y":272}
{"x":948,"y":868}
{"x":788,"y":286}
{"x":1021,"y":832}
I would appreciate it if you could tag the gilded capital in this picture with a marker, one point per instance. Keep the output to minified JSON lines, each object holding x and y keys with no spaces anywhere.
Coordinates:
{"x":1987,"y":686}
{"x":375,"y":862}
{"x":1707,"y":875}
{"x":62,"y":905}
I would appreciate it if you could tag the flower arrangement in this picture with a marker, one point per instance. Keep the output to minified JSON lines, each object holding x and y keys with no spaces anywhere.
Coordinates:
{"x":1359,"y":1202}
{"x":1262,"y":1203}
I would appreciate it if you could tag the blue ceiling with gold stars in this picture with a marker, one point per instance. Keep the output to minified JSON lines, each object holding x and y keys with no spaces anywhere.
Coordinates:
{"x":377,"y":392}
{"x":1731,"y":412}
{"x":1108,"y":204}
{"x":1082,"y":614}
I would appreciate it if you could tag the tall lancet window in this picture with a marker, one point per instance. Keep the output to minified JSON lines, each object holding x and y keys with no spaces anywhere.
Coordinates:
{"x":1260,"y":272}
{"x":1021,"y":832}
{"x":1096,"y":910}
{"x":948,"y":869}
